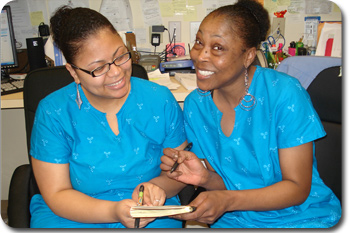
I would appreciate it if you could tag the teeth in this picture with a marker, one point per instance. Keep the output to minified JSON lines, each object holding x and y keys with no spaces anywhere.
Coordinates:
{"x":115,"y":84}
{"x":205,"y":72}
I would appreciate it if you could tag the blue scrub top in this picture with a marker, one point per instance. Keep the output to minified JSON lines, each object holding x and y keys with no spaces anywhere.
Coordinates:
{"x":104,"y":165}
{"x":248,"y":159}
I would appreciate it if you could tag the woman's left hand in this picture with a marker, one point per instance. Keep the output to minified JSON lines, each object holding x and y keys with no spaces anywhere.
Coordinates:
{"x":210,"y":205}
{"x":153,"y":195}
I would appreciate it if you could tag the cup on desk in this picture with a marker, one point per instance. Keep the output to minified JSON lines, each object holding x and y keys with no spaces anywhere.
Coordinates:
{"x":291,"y":51}
{"x":302,"y":51}
{"x":297,"y":46}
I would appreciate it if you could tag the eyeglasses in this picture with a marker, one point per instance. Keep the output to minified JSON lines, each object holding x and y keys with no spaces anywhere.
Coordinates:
{"x":118,"y":61}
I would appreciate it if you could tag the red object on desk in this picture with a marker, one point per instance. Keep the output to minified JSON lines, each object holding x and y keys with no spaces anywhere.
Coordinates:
{"x":329,"y":46}
{"x":291,"y":51}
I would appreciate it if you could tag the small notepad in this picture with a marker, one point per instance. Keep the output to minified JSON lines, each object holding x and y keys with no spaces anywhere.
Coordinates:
{"x":159,"y":211}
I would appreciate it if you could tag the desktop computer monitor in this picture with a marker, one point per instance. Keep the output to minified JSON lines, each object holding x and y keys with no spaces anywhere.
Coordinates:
{"x":8,"y":43}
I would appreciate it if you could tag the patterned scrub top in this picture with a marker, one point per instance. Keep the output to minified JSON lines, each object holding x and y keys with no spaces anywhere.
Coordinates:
{"x":248,"y":159}
{"x":102,"y":164}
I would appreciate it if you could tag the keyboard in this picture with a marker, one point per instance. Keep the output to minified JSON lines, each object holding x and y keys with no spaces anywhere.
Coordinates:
{"x":11,"y":86}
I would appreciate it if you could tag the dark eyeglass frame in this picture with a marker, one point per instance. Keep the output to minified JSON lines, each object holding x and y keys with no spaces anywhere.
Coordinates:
{"x":108,"y":63}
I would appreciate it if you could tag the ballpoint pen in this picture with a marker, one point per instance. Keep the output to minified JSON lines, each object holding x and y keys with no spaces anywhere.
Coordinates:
{"x":139,"y":203}
{"x":187,"y":148}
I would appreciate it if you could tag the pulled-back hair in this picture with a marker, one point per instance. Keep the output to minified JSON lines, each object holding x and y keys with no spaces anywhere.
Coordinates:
{"x":70,"y":27}
{"x":249,"y":19}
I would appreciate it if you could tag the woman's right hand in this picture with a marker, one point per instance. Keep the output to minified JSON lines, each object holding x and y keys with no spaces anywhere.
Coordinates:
{"x":190,"y":169}
{"x":123,"y":214}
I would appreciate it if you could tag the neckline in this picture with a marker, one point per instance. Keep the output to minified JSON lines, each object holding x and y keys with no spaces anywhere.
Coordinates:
{"x":237,"y":109}
{"x":88,"y":106}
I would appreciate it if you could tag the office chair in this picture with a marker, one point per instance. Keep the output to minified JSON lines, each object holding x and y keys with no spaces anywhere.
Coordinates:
{"x":260,"y":59}
{"x":37,"y":85}
{"x":326,"y":95}
{"x":306,"y":68}
{"x":139,"y":71}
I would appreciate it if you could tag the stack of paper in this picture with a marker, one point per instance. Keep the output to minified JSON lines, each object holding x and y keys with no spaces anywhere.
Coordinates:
{"x":188,"y":80}
{"x":162,"y":79}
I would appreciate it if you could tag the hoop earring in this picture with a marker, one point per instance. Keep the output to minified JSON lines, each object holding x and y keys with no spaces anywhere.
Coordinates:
{"x":247,"y":102}
{"x":203,"y":93}
{"x":78,"y":98}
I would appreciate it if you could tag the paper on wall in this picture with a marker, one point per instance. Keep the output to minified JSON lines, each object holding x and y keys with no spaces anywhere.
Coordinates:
{"x":330,"y":30}
{"x":118,"y":12}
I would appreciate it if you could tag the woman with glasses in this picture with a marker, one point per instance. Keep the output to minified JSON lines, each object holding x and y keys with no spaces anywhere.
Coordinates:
{"x":95,"y":141}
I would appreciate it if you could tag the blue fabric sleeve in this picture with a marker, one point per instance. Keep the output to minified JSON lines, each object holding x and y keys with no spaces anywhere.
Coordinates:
{"x":297,"y":120}
{"x":175,"y":132}
{"x":48,"y":142}
{"x":189,"y":107}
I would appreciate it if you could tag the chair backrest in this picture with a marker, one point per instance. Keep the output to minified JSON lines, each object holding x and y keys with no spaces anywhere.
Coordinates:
{"x":306,"y":68}
{"x":326,"y":95}
{"x":260,"y":59}
{"x":37,"y":85}
{"x":139,"y":71}
{"x":41,"y":82}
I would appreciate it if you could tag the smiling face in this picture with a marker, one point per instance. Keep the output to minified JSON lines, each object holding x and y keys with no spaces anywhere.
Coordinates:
{"x":96,"y":51}
{"x":218,"y":54}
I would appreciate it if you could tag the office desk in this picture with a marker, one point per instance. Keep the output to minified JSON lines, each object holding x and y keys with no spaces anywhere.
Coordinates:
{"x":181,"y":93}
{"x":14,"y":100}
{"x":13,"y":138}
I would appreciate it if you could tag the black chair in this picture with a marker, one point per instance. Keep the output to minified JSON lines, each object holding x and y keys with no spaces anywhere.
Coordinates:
{"x":139,"y":71}
{"x":326,"y":95}
{"x":37,"y":85}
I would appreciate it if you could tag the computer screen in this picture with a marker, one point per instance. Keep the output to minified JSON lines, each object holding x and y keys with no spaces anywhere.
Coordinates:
{"x":8,"y":43}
